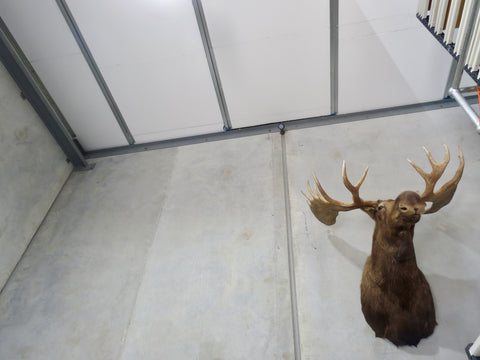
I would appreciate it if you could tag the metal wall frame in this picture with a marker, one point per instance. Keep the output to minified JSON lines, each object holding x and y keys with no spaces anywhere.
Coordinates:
{"x":279,"y":126}
{"x":33,"y":89}
{"x":87,"y":54}
{"x":334,"y":57}
{"x":209,"y":52}
{"x":31,"y":85}
{"x":212,"y":63}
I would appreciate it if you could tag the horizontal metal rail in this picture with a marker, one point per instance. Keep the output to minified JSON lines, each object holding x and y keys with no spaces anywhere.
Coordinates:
{"x":274,"y":127}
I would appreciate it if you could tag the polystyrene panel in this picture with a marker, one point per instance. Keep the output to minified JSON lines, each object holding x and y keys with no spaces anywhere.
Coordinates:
{"x":41,"y":31}
{"x":82,"y":102}
{"x":273,"y":57}
{"x":386,"y":57}
{"x":152,"y":58}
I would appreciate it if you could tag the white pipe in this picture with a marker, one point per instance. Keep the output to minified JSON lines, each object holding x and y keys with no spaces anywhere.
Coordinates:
{"x":455,"y":93}
{"x":464,"y":41}
{"x":452,"y":21}
{"x":475,"y":348}
{"x":442,"y":12}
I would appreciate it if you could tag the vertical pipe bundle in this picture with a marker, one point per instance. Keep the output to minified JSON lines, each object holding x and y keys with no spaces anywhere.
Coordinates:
{"x":450,"y":18}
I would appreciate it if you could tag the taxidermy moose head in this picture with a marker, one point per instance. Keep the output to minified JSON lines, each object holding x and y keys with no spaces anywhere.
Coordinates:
{"x":396,"y":299}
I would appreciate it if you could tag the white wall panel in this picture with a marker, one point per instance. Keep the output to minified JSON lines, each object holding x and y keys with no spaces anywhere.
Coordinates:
{"x":39,"y":28}
{"x":152,"y":58}
{"x":387,"y":58}
{"x":273,"y":58}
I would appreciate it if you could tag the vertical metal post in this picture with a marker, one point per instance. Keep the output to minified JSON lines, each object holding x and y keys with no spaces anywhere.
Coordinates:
{"x":33,"y":89}
{"x":451,"y":75}
{"x":212,"y":64}
{"x":333,"y":56}
{"x":72,"y":24}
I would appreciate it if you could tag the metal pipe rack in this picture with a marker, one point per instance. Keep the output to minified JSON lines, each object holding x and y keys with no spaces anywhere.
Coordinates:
{"x":459,"y":60}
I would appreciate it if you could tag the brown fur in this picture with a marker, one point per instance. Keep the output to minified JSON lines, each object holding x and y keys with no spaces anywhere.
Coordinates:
{"x":396,"y":298}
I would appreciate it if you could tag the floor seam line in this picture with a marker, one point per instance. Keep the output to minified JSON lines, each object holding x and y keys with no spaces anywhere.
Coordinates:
{"x":139,"y":288}
{"x":40,"y":225}
{"x":134,"y":305}
{"x":291,"y":265}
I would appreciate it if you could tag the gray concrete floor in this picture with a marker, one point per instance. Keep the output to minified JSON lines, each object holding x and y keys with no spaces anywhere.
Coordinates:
{"x":182,"y":253}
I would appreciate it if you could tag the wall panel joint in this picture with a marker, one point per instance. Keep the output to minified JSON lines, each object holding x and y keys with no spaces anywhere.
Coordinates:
{"x":212,"y":64}
{"x":87,"y":54}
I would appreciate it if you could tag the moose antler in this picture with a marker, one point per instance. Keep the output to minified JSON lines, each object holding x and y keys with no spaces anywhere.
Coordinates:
{"x":443,"y":196}
{"x":326,"y":209}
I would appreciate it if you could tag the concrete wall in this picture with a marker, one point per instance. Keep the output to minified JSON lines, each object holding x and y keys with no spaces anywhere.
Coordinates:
{"x":32,"y":172}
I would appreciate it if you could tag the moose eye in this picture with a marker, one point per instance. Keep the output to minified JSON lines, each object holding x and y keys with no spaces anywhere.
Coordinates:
{"x":381,"y":207}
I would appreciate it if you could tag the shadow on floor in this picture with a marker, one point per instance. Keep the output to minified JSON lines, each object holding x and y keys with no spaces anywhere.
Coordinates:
{"x":454,"y":329}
